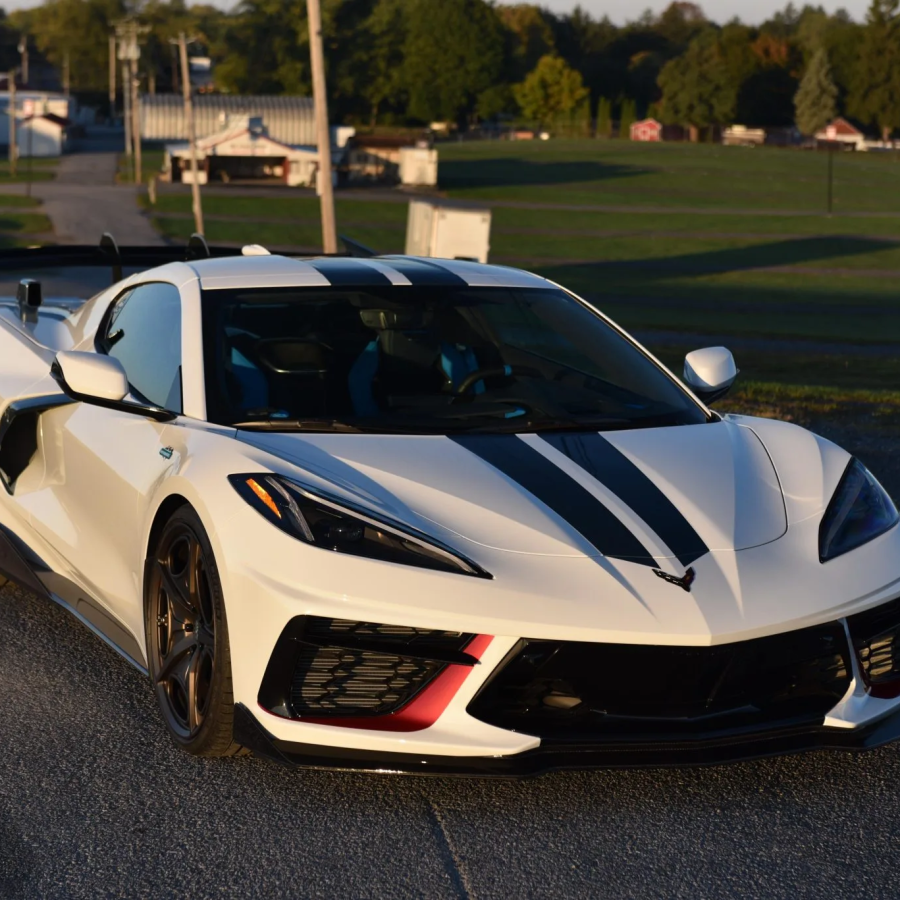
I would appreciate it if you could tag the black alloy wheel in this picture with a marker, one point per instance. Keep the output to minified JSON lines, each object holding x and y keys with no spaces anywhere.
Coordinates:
{"x":187,"y":639}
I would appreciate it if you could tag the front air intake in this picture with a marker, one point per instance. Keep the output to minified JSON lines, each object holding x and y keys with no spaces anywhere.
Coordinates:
{"x":325,"y":668}
{"x":573,"y":691}
{"x":876,"y":639}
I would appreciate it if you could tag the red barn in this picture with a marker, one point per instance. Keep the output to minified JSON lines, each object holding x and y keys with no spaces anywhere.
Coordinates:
{"x":647,"y":130}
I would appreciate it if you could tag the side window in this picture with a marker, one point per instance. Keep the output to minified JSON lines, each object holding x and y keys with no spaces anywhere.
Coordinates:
{"x":144,"y":334}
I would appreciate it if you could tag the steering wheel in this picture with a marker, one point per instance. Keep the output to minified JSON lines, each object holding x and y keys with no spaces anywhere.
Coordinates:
{"x":494,"y":372}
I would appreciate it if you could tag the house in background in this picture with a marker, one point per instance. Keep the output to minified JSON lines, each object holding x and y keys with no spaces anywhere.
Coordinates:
{"x":840,"y":131}
{"x":654,"y":131}
{"x":42,"y":135}
{"x":647,"y":130}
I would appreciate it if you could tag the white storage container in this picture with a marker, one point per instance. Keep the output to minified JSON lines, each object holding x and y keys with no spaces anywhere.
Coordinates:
{"x":418,"y":166}
{"x":448,"y":230}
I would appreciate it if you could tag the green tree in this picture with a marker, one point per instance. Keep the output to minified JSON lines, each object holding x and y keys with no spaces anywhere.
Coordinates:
{"x":627,"y":118}
{"x":698,"y":89}
{"x":453,"y":53}
{"x":815,"y":101}
{"x":679,"y":22}
{"x":604,"y":118}
{"x":265,"y":49}
{"x":79,"y":28}
{"x":530,"y":37}
{"x":553,"y":89}
{"x":385,"y":31}
{"x":875,"y":98}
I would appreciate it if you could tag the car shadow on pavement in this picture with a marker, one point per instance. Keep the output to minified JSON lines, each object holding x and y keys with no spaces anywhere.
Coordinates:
{"x":96,"y":801}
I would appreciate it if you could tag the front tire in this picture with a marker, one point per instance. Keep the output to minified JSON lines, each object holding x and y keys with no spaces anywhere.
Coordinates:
{"x":187,"y":639}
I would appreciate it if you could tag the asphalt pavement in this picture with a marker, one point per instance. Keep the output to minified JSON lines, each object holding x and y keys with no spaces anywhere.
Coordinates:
{"x":84,"y":200}
{"x":95,"y":802}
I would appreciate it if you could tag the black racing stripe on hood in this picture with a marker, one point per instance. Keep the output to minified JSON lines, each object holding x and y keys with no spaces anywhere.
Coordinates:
{"x":345,"y":273}
{"x":555,"y":489}
{"x":424,"y":273}
{"x":600,"y":459}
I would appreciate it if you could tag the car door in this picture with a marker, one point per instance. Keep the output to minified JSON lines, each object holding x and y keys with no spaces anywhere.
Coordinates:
{"x":99,"y":463}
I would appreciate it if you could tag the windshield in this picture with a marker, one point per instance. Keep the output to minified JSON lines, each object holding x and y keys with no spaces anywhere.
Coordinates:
{"x":425,"y":361}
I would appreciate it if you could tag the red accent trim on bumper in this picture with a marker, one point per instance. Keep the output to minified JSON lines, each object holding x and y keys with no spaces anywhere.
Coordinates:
{"x":426,"y":707}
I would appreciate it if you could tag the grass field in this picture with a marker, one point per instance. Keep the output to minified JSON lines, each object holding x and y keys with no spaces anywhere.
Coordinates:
{"x":18,"y":226}
{"x":151,"y":163}
{"x":33,"y":170}
{"x":674,"y":238}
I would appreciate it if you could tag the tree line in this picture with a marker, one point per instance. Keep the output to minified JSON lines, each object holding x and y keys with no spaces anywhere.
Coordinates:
{"x":401,"y":62}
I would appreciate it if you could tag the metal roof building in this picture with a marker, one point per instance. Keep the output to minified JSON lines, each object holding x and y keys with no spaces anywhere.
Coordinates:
{"x":290,"y":120}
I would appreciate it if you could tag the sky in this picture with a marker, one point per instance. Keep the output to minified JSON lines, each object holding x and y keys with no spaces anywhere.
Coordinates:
{"x":620,"y":11}
{"x":750,"y":11}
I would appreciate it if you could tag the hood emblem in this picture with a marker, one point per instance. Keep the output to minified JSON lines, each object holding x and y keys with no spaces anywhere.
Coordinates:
{"x":684,"y":582}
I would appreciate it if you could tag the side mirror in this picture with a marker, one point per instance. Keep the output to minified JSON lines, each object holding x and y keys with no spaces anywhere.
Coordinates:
{"x":99,"y":380}
{"x":92,"y":376}
{"x":710,"y":372}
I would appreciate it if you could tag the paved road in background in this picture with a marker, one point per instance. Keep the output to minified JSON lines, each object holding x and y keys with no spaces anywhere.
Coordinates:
{"x":83,"y":200}
{"x":95,"y":802}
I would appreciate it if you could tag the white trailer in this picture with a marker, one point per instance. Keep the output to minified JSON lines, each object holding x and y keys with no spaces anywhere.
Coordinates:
{"x":448,"y":230}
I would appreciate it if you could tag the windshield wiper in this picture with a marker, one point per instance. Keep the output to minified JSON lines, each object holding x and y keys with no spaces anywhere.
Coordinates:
{"x":531,"y":425}
{"x":307,"y":425}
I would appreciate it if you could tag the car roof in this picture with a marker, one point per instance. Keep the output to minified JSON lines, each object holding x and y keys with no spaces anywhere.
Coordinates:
{"x":282,"y":271}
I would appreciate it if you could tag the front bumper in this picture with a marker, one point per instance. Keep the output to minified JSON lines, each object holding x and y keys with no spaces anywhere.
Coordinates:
{"x":549,"y":757}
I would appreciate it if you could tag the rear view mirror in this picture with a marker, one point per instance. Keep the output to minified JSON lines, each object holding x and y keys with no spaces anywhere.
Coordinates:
{"x":710,"y":372}
{"x":101,"y":381}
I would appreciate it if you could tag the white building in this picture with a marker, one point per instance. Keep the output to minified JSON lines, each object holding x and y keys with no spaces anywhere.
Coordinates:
{"x":35,"y":103}
{"x":243,"y":148}
{"x":45,"y":135}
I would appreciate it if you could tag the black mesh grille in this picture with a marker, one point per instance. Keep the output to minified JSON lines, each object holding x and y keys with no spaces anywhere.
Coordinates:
{"x":356,"y":682}
{"x":326,"y":667}
{"x":876,"y":639}
{"x":578,"y":691}
{"x":330,"y":630}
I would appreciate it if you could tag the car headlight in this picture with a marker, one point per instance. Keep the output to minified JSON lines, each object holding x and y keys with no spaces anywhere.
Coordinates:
{"x":316,"y":518}
{"x":860,"y":511}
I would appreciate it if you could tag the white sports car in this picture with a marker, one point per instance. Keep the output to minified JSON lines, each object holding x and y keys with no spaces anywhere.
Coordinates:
{"x":432,"y":516}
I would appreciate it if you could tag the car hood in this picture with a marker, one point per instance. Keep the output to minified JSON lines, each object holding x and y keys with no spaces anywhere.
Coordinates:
{"x":641,"y":495}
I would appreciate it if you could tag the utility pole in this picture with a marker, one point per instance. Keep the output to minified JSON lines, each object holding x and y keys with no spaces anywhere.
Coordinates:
{"x":112,"y":77}
{"x":830,"y":178}
{"x":23,"y":53}
{"x":187,"y":91}
{"x":323,"y":132}
{"x":136,"y":126}
{"x":126,"y":108}
{"x":129,"y":52}
{"x":13,"y":124}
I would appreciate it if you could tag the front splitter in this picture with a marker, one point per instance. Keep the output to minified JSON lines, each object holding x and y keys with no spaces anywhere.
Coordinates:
{"x":554,"y":757}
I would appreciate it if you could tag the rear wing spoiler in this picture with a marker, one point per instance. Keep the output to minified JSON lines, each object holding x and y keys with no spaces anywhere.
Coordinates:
{"x":109,"y":254}
{"x":74,"y":272}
